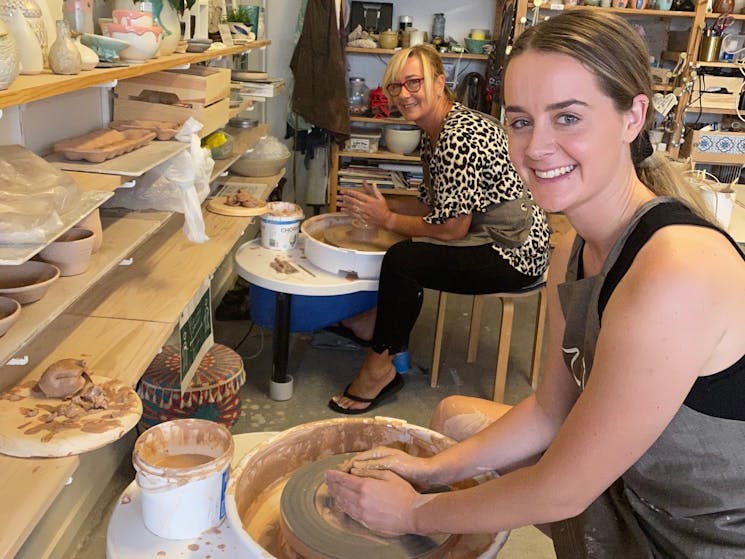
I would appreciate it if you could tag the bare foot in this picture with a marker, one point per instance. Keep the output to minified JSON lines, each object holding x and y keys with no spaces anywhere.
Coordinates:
{"x":362,"y":324}
{"x":377,"y":371}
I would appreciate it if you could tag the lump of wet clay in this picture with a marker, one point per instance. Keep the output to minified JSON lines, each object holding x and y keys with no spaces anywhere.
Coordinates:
{"x":63,"y":378}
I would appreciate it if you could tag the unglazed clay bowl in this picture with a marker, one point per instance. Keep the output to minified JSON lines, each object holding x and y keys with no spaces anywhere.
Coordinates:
{"x":71,"y":252}
{"x":27,"y":282}
{"x":144,"y":42}
{"x":10,"y":310}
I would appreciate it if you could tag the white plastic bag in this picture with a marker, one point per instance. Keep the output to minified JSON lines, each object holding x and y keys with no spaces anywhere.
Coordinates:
{"x":180,"y":184}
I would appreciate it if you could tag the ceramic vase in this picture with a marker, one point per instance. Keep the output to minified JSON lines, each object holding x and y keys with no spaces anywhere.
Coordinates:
{"x":29,"y":49}
{"x":48,"y":18}
{"x":92,"y":222}
{"x":166,"y":16}
{"x":88,"y":57}
{"x":8,"y":57}
{"x":64,"y":57}
{"x":33,"y":14}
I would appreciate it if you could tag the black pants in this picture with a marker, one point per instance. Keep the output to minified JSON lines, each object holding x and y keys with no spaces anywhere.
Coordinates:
{"x":408,"y":267}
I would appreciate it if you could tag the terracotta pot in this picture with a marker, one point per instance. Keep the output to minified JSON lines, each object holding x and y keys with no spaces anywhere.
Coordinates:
{"x":27,"y":282}
{"x":10,"y":310}
{"x":93,"y":222}
{"x":71,"y":252}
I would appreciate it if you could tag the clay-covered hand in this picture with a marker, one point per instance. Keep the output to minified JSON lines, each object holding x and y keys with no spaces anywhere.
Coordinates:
{"x":366,"y":204}
{"x":415,"y":469}
{"x":377,"y":499}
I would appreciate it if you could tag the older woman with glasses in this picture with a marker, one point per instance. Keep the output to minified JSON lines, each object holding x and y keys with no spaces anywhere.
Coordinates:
{"x":473,"y":228}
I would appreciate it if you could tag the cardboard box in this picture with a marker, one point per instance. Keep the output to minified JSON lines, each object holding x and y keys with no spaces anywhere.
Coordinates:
{"x":723,"y":148}
{"x":727,"y":100}
{"x":212,"y":116}
{"x":199,"y":84}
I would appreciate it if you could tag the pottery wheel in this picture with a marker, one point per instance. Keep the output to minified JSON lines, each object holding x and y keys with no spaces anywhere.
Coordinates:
{"x":371,"y":239}
{"x":316,"y":529}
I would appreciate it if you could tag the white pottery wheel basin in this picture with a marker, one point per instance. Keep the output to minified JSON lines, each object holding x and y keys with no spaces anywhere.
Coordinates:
{"x":345,"y":260}
{"x":255,"y":486}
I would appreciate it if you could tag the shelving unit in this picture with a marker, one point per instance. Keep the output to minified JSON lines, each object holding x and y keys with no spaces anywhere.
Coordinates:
{"x":116,"y":317}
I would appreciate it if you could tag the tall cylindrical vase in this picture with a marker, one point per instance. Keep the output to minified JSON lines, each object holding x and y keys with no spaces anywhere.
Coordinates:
{"x":29,"y":49}
{"x":33,"y":14}
{"x":64,"y":57}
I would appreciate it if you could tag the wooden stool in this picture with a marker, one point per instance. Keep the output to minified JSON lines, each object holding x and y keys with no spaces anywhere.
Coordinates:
{"x":505,"y":334}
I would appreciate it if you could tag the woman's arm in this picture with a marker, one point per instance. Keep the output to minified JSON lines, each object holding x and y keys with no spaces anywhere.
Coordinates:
{"x":677,"y":314}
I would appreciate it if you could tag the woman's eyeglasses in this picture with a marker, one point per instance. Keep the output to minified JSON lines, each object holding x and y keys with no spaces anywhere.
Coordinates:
{"x":412,"y":85}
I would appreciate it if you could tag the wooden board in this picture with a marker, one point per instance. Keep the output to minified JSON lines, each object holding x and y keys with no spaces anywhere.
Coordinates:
{"x":27,"y":430}
{"x":219,"y":206}
{"x":132,"y":164}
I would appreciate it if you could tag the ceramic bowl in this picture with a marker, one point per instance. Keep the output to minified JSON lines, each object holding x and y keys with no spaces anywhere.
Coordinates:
{"x":132,"y":17}
{"x":388,"y":39}
{"x":27,"y":282}
{"x":401,"y":138}
{"x":475,"y":46}
{"x":10,"y":310}
{"x":106,"y":48}
{"x":71,"y":252}
{"x":259,"y":167}
{"x":144,"y":42}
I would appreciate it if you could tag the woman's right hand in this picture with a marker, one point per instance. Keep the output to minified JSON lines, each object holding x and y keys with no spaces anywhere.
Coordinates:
{"x":416,"y":470}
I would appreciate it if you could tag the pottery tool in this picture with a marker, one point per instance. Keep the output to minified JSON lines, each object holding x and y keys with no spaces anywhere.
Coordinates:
{"x":316,"y":529}
{"x":32,"y":425}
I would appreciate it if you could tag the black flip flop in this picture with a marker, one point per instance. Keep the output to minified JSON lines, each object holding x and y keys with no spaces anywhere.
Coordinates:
{"x":388,"y":390}
{"x":340,"y":330}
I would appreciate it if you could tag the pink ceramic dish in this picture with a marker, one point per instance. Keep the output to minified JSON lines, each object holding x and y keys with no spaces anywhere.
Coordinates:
{"x":10,"y":310}
{"x":132,"y":17}
{"x":27,"y":282}
{"x":144,"y":42}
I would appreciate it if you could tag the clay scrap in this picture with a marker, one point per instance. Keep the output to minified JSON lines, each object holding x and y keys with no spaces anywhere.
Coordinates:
{"x":100,"y":145}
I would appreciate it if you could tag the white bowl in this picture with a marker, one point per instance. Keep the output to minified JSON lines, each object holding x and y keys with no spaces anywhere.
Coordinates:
{"x":259,"y":167}
{"x":132,"y":17}
{"x":27,"y":282}
{"x":402,"y":138}
{"x":144,"y":42}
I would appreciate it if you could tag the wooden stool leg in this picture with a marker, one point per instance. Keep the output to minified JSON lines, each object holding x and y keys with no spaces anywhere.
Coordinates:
{"x":540,"y":324}
{"x":505,"y":336}
{"x":439,"y":326}
{"x":474,"y":330}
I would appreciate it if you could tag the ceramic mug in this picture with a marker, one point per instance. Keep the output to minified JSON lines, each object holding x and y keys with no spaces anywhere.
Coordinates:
{"x":664,"y":4}
{"x":416,"y":37}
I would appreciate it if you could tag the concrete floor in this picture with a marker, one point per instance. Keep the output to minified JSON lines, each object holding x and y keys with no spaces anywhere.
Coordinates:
{"x":319,"y":373}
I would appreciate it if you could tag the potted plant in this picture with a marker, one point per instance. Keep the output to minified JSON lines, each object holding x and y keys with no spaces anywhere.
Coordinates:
{"x":242,"y":21}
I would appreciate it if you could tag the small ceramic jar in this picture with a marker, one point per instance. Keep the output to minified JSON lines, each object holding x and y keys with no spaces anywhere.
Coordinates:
{"x":388,"y":39}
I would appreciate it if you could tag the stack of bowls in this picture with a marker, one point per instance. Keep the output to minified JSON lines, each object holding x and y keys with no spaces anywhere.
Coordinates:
{"x":137,"y":29}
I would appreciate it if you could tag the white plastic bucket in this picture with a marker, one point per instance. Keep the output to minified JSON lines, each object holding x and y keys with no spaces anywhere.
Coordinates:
{"x":181,"y":502}
{"x":280,"y":225}
{"x":721,"y":205}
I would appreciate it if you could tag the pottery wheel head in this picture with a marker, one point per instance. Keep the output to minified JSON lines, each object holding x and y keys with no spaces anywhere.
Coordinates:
{"x":316,"y":529}
{"x":368,"y":239}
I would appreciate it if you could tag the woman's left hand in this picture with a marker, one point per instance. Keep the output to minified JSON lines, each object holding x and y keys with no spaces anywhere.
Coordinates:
{"x":366,"y":204}
{"x":377,"y":499}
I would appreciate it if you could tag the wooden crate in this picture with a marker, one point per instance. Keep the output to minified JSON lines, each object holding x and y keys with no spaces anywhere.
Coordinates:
{"x":212,"y":116}
{"x":195,"y":85}
{"x":717,"y":100}
{"x":723,"y":148}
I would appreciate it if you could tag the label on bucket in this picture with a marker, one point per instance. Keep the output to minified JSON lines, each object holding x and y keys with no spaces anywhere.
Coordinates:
{"x":279,"y":235}
{"x":225,"y":476}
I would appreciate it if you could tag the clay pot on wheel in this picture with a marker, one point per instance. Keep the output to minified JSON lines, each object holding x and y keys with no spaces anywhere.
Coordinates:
{"x":71,"y":252}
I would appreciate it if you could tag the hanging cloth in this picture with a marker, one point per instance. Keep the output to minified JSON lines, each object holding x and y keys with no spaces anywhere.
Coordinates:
{"x":318,"y":67}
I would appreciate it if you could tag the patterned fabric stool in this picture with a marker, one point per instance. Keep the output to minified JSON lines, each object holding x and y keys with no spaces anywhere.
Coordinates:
{"x":213,"y":393}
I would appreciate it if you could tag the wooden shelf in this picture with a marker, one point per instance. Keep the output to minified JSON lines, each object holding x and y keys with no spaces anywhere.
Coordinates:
{"x":390,"y":52}
{"x":731,"y":65}
{"x":391,"y":191}
{"x":33,"y":88}
{"x":619,"y":11}
{"x":715,"y":15}
{"x":121,"y":236}
{"x":706,"y":110}
{"x":380,"y":155}
{"x":373,"y":120}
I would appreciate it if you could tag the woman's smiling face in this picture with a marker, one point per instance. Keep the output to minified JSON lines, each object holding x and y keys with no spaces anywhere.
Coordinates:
{"x":566,"y":137}
{"x":414,"y":106}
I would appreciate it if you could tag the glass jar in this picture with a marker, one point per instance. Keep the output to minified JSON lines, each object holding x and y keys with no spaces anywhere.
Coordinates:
{"x":438,"y":28}
{"x":359,"y":96}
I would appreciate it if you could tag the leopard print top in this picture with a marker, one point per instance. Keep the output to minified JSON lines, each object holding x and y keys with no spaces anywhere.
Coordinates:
{"x":470,"y":170}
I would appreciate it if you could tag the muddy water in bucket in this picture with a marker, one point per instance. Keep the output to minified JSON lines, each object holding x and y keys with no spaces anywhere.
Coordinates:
{"x":182,"y":471}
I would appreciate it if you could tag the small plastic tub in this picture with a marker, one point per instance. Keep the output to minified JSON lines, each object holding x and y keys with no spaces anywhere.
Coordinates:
{"x":280,"y":225}
{"x":183,"y":468}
